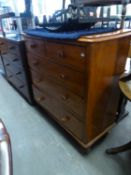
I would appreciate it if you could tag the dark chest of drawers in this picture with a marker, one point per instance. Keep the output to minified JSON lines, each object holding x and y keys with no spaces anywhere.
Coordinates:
{"x":77,"y":81}
{"x":13,"y":54}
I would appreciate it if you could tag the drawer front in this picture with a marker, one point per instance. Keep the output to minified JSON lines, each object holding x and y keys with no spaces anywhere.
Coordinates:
{"x":17,"y":71}
{"x":69,"y":55}
{"x":14,"y":49}
{"x":66,"y":77}
{"x":35,"y":46}
{"x":16,"y":60}
{"x":19,"y":85}
{"x":64,"y":117}
{"x":67,"y":98}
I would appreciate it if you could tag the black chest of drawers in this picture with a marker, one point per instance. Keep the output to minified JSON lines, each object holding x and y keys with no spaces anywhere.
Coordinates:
{"x":13,"y":54}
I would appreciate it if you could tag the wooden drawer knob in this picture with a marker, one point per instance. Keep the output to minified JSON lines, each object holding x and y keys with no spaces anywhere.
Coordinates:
{"x":62,"y":76}
{"x":33,"y":46}
{"x":82,"y":55}
{"x":65,"y":119}
{"x":40,"y":99}
{"x":35,"y":62}
{"x":64,"y":97}
{"x":37,"y":81}
{"x":60,"y":54}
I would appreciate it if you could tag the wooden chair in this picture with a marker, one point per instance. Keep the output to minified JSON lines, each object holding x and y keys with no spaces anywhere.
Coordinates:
{"x":125,"y":87}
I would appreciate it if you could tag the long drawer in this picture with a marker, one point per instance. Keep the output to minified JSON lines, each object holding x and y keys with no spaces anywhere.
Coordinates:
{"x":64,"y":117}
{"x":73,"y":56}
{"x":64,"y":76}
{"x":64,"y":96}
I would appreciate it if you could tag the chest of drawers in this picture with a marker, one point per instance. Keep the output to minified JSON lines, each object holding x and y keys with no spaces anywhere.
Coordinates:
{"x":15,"y":63}
{"x":76,"y":82}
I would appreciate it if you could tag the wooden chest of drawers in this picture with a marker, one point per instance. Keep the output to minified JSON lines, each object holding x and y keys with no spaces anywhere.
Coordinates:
{"x":77,"y":82}
{"x":15,"y":63}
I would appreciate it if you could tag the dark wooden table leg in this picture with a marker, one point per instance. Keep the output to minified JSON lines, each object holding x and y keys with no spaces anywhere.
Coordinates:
{"x":119,"y":149}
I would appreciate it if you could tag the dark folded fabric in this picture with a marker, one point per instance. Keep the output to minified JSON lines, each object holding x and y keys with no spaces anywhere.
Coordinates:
{"x":40,"y":32}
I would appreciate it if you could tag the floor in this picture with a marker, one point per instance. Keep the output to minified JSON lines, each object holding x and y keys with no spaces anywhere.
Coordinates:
{"x":39,"y":148}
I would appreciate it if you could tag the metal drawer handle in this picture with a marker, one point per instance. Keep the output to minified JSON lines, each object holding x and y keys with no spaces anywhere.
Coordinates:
{"x":12,"y":47}
{"x":4,"y":53}
{"x":65,"y":119}
{"x":8,"y":64}
{"x":22,"y":86}
{"x":18,"y":73}
{"x":16,"y":59}
{"x":10,"y":76}
{"x":82,"y":55}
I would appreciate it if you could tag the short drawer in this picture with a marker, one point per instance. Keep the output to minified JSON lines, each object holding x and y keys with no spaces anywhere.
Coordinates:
{"x":66,"y":77}
{"x":35,"y":46}
{"x":16,"y":60}
{"x":19,"y":85}
{"x":17,"y":71}
{"x":14,"y":49}
{"x":58,"y":111}
{"x":64,"y":96}
{"x":69,"y":55}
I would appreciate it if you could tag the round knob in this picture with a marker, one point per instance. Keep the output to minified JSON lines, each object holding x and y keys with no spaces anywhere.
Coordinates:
{"x":35,"y":62}
{"x":33,"y":46}
{"x":82,"y":55}
{"x":37,"y":81}
{"x":64,"y":97}
{"x":60,"y":54}
{"x":39,"y":99}
{"x":62,"y":76}
{"x":65,"y":119}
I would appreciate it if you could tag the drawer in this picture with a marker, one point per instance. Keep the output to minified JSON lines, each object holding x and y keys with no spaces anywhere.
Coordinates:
{"x":57,"y":110}
{"x":16,"y":71}
{"x":69,"y":55}
{"x":14,"y":49}
{"x":19,"y":85}
{"x":64,"y":96}
{"x":16,"y":60}
{"x":64,"y":76}
{"x":35,"y":46}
